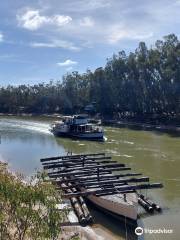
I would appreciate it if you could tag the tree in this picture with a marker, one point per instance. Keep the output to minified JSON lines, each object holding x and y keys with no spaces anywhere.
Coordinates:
{"x":141,"y":84}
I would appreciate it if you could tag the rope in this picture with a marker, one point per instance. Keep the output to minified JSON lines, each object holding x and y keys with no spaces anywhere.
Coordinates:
{"x":126,"y":229}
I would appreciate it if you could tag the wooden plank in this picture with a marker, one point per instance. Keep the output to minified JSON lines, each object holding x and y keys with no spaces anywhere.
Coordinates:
{"x":110,"y":176}
{"x":82,"y":173}
{"x":102,"y":177}
{"x":79,"y":164}
{"x":109,"y":192}
{"x":84,"y":170}
{"x":103,"y":185}
{"x":109,"y":182}
{"x":95,"y":159}
{"x":112,"y":181}
{"x":142,"y":179}
{"x":113,"y":192}
{"x":118,"y":189}
{"x":96,"y":167}
{"x":79,"y":167}
{"x":80,"y":161}
{"x":71,"y":156}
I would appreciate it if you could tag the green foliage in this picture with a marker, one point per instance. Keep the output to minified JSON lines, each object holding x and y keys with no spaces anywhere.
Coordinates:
{"x":146,"y":82}
{"x":28,"y":210}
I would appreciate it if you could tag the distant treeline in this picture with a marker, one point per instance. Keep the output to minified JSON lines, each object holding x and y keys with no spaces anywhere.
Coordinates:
{"x":146,"y":82}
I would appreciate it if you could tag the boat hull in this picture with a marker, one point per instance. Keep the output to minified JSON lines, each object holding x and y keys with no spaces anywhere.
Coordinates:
{"x":118,"y":209}
{"x":89,"y":136}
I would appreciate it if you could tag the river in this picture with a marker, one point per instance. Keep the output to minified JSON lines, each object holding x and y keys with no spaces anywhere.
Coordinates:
{"x":23,"y":141}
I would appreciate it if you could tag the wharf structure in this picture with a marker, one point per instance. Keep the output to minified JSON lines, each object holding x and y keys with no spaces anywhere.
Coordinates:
{"x":106,"y":183}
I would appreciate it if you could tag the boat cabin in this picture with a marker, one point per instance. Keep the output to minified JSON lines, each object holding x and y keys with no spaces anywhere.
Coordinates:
{"x":82,"y":128}
{"x":76,"y":119}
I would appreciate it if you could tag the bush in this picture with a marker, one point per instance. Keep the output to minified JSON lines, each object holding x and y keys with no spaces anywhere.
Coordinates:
{"x":28,"y":210}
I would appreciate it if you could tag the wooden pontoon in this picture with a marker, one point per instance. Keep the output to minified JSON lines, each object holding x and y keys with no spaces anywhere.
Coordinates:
{"x":92,"y":176}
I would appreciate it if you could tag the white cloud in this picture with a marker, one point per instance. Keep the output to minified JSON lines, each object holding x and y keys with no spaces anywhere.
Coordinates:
{"x":33,"y":20}
{"x":67,"y":63}
{"x":60,"y":20}
{"x":118,"y":33}
{"x":55,"y":44}
{"x":87,"y":22}
{"x":1,"y":37}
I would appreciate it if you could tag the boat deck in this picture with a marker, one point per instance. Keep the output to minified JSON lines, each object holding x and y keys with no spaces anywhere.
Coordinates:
{"x":91,"y":176}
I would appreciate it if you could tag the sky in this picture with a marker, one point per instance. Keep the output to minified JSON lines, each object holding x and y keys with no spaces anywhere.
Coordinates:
{"x":41,"y":40}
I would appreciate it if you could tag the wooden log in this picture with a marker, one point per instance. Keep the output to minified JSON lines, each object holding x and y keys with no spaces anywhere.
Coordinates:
{"x":104,"y":186}
{"x":107,"y":177}
{"x":79,"y":167}
{"x":85,"y":173}
{"x":77,"y":174}
{"x":127,"y":180}
{"x":87,"y":214}
{"x":152,"y":204}
{"x":109,"y":183}
{"x":110,"y":191}
{"x":75,"y":205}
{"x":70,"y":156}
{"x":84,"y":169}
{"x":119,"y":189}
{"x":106,"y":182}
{"x":85,"y":210}
{"x":77,"y":160}
{"x":102,"y":177}
{"x":99,"y":186}
{"x":101,"y":192}
{"x":95,"y":167}
{"x":145,"y":205}
{"x":113,"y":192}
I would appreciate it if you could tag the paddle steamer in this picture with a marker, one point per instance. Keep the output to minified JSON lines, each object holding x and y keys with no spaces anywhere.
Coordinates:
{"x":77,"y":126}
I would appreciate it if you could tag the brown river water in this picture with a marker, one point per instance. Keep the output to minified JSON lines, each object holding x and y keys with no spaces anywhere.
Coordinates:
{"x":23,"y":141}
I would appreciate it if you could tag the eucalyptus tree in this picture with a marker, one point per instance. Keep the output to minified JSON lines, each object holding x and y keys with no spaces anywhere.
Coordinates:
{"x":144,"y":83}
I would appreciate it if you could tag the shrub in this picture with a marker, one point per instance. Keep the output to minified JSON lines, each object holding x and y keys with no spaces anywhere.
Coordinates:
{"x":28,"y":210}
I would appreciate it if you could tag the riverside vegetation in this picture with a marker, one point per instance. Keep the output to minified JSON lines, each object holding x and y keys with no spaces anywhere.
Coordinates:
{"x":28,"y":210}
{"x":141,"y":85}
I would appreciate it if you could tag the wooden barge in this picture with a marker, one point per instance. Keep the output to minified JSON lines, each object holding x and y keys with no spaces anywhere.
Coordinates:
{"x":92,"y":176}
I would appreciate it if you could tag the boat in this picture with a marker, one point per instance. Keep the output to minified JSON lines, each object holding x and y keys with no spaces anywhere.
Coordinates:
{"x":92,"y":176}
{"x":77,"y":126}
{"x":120,"y":206}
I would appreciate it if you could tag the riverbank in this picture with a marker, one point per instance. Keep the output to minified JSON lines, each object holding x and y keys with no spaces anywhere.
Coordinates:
{"x":155,"y":124}
{"x":10,"y":179}
{"x":148,"y":126}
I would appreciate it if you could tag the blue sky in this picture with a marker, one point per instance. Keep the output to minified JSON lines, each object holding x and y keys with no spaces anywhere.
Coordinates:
{"x":43,"y":39}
